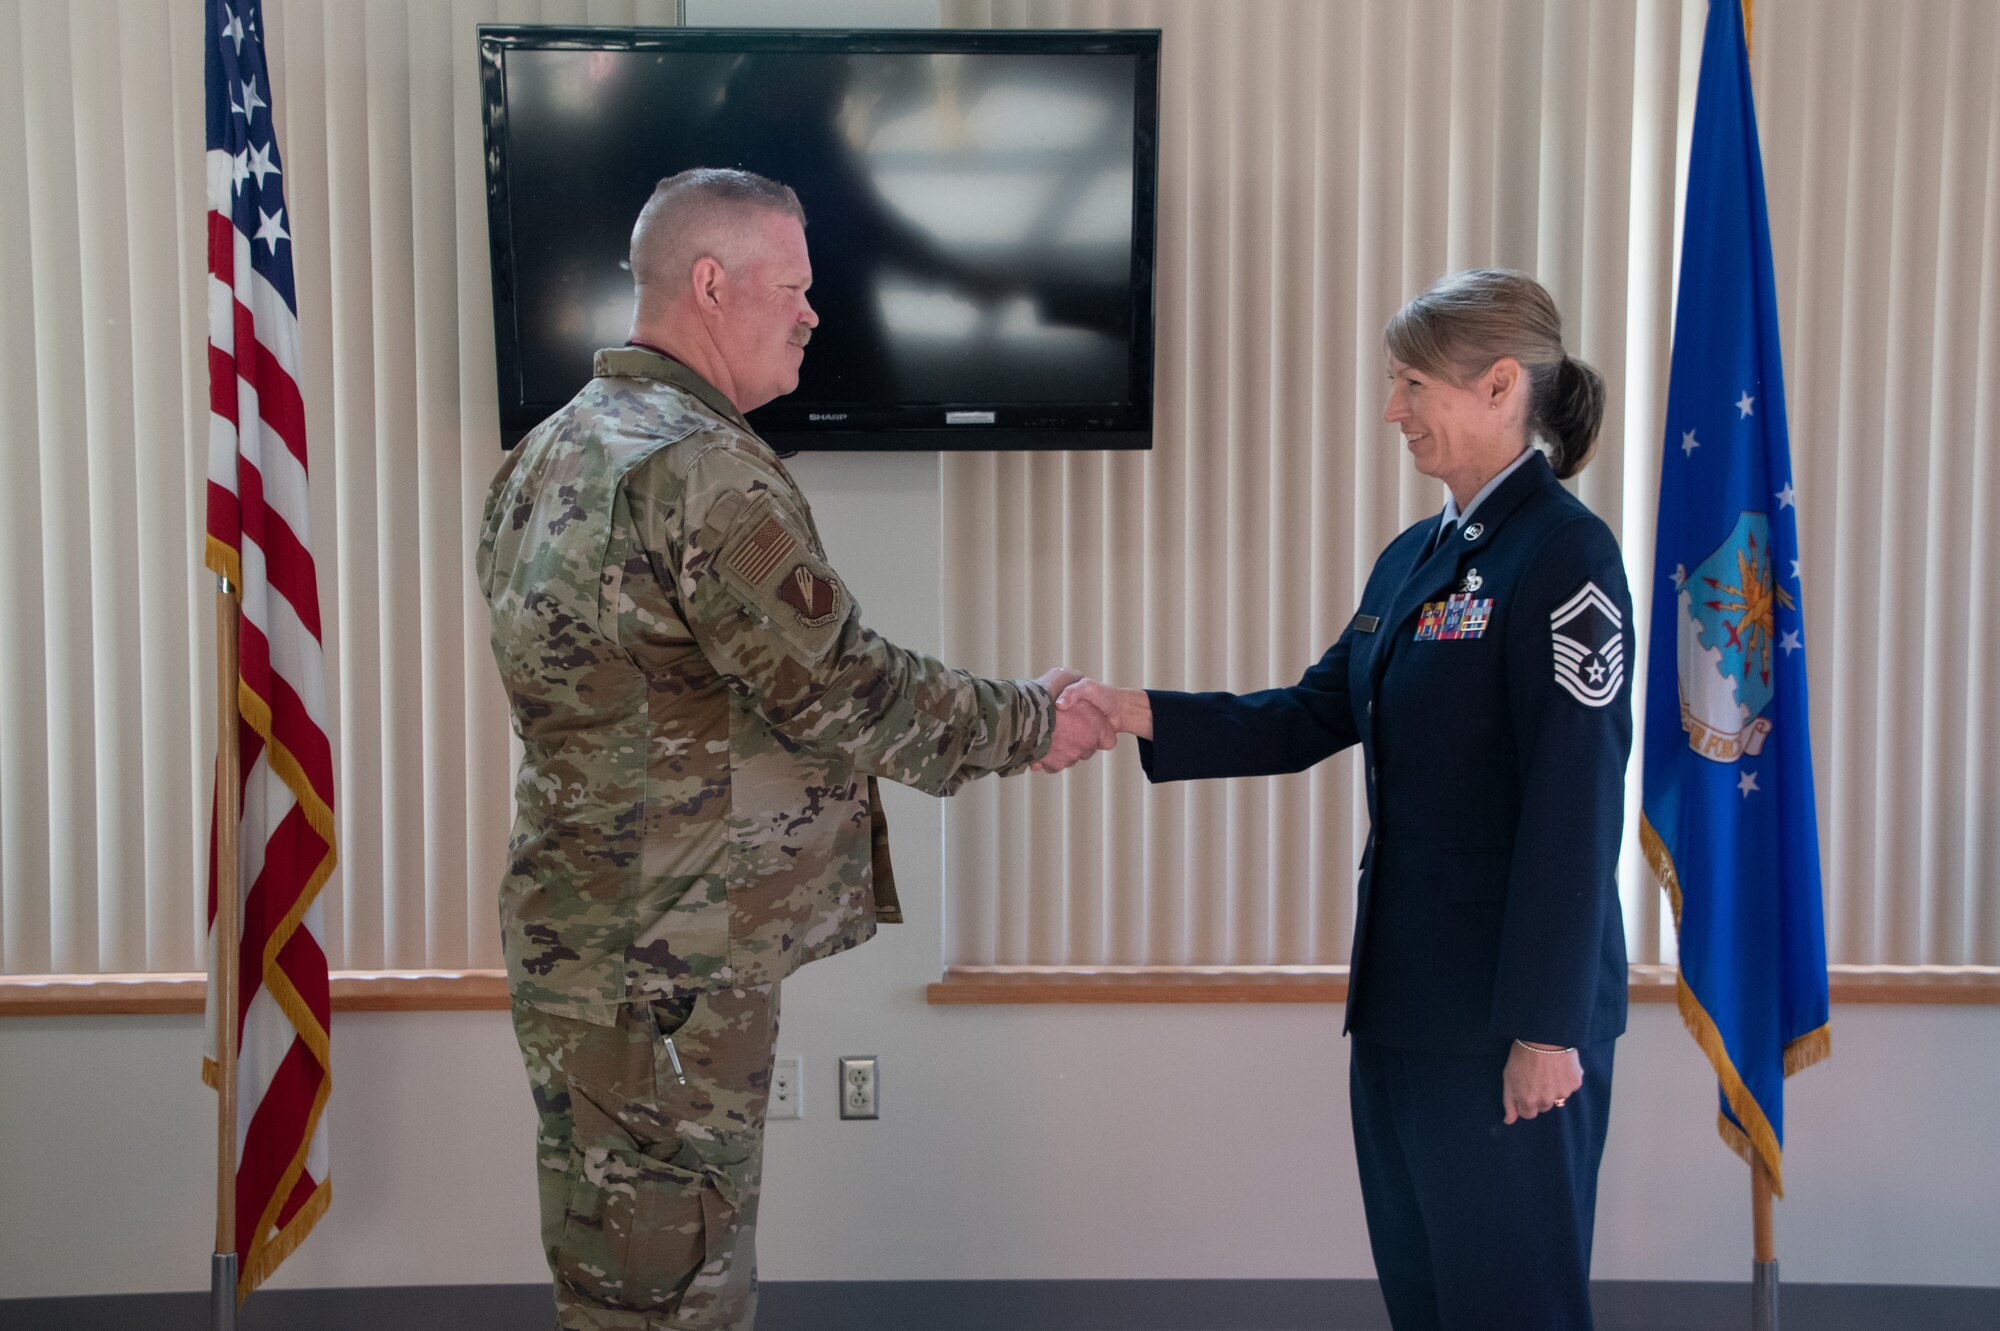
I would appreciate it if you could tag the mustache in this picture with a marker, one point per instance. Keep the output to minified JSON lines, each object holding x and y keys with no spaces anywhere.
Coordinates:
{"x":803,"y":336}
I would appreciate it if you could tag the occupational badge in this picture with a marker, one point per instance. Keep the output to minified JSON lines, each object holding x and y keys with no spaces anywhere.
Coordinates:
{"x":1473,"y":582}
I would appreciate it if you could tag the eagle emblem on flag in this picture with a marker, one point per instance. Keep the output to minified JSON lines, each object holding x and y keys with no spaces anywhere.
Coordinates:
{"x":1728,"y":604}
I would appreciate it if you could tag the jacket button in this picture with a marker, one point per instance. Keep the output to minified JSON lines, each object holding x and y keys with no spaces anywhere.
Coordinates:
{"x":1371,"y":771}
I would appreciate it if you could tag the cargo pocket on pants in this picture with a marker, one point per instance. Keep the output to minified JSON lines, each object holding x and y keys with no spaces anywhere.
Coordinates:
{"x":637,"y":1228}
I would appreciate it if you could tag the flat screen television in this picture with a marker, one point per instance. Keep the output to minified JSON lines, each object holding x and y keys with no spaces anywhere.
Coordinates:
{"x":979,"y":208}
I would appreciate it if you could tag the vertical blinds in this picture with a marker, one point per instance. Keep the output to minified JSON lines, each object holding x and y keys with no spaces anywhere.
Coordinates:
{"x":1322,"y":162}
{"x":106,"y":699}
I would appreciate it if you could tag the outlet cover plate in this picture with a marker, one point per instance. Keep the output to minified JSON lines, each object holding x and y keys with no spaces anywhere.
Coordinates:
{"x":787,"y":1088}
{"x":860,"y":1087}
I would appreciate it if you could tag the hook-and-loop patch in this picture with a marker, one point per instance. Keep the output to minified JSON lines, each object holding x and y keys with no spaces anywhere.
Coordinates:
{"x":776,"y":571}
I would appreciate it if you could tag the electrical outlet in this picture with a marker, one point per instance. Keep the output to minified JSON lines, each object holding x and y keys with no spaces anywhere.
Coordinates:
{"x":860,"y":1087}
{"x":787,"y":1089}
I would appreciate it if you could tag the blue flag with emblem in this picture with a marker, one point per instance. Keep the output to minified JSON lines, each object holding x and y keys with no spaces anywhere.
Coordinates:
{"x":1728,"y":818}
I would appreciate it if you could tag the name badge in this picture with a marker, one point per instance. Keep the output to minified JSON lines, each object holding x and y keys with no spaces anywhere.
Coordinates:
{"x":1366,"y":623}
{"x":1453,"y":618}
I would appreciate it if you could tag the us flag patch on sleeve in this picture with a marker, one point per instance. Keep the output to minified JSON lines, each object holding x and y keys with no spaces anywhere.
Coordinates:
{"x":1588,"y":635}
{"x":767,"y":547}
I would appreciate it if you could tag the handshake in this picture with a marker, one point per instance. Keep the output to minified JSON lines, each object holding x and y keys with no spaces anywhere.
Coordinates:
{"x":1090,"y":716}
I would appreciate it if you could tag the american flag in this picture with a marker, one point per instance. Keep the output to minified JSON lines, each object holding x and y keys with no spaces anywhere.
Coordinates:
{"x":257,"y":508}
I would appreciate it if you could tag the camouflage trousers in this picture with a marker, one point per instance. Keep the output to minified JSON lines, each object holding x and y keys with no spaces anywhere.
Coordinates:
{"x":649,"y":1184}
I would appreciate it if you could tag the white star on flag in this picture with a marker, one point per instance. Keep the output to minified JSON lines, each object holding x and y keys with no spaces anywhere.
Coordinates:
{"x":239,"y":170}
{"x":233,"y":29}
{"x":1744,"y":403}
{"x":1689,"y":443}
{"x":1680,"y":574}
{"x":261,"y":164}
{"x":1747,"y":784}
{"x":271,"y":229}
{"x":251,"y":101}
{"x":1795,"y":571}
{"x":1790,"y":642}
{"x":1786,"y":497}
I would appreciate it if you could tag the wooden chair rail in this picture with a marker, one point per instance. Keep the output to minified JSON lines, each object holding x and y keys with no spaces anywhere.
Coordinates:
{"x":353,"y":991}
{"x":486,"y":990}
{"x":974,"y":985}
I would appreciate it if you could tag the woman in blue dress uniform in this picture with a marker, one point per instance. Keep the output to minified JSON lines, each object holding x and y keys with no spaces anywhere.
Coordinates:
{"x":1485,"y":676}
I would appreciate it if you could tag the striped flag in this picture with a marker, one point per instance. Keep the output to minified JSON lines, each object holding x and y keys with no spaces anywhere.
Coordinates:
{"x":1729,"y":825}
{"x":257,"y":507}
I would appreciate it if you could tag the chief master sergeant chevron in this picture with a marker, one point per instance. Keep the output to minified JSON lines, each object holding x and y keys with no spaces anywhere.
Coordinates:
{"x":703,"y":717}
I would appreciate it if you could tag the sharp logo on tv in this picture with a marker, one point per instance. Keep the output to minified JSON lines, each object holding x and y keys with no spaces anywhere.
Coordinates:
{"x":980,"y":210}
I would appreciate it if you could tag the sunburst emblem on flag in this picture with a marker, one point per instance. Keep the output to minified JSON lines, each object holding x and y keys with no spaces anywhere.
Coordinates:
{"x":1752,"y":599}
{"x":1729,"y":606}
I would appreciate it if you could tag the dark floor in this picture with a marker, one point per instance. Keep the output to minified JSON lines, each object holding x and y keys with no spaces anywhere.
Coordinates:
{"x":1022,"y":1305}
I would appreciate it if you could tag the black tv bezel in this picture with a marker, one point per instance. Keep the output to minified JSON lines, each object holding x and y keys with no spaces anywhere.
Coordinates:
{"x":1017,"y":426}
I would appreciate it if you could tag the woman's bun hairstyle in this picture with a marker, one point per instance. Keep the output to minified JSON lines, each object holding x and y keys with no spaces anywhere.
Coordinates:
{"x":1568,"y":409}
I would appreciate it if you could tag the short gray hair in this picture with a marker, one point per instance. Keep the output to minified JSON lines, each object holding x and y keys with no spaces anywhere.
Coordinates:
{"x":700,"y":213}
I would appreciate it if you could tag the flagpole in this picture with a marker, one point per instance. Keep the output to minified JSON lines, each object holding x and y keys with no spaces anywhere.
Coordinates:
{"x":224,"y":954}
{"x":1763,"y":1241}
{"x":1764,"y":1267}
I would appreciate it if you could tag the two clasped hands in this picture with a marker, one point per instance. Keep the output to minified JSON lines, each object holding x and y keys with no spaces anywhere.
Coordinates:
{"x":1090,"y":716}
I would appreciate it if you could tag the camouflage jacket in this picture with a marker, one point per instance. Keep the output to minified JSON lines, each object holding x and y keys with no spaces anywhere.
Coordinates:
{"x":701,"y":711}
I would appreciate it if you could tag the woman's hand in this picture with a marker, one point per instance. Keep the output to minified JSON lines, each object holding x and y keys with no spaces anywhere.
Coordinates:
{"x":1130,"y":711}
{"x":1081,"y":730}
{"x":1538,"y":1079}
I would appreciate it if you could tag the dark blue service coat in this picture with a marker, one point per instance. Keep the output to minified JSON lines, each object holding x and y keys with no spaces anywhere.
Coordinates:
{"x":1489,"y":686}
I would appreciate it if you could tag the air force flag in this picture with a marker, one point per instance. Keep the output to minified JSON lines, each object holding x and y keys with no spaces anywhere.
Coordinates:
{"x":1729,"y":825}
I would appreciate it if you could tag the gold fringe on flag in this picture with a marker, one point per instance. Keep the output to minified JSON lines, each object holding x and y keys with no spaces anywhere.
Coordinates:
{"x":1756,"y":1140}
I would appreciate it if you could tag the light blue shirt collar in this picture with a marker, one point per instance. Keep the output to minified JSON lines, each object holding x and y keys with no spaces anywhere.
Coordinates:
{"x":1451,"y":513}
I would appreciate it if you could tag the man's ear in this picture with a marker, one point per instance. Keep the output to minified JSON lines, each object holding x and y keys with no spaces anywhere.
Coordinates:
{"x":706,"y":280}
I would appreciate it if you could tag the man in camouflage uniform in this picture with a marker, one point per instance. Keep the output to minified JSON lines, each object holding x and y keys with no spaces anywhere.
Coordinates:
{"x":703,"y":718}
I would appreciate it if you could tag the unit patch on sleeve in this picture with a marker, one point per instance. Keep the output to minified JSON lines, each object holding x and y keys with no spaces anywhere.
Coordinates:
{"x":814,"y":596}
{"x":1588,"y":636}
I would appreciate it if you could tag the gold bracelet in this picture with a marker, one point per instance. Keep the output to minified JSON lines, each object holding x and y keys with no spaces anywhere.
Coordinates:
{"x":1566,"y":1049}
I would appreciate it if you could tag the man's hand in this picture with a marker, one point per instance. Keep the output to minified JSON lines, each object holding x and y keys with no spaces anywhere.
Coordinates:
{"x":1057,"y":678}
{"x":1538,"y":1080}
{"x":1081,"y":729}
